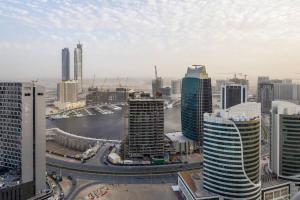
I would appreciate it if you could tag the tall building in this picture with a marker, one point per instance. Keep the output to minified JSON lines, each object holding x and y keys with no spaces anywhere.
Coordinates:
{"x":196,"y":99}
{"x":176,"y":86}
{"x":233,"y":94}
{"x":285,"y":139}
{"x":231,"y":164}
{"x":65,"y":65}
{"x":67,"y":91}
{"x":78,"y":66}
{"x":261,"y":79}
{"x":145,"y":128}
{"x":22,"y":138}
{"x":157,"y":83}
{"x":265,"y":93}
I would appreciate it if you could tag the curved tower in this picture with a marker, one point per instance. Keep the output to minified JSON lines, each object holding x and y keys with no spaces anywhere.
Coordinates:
{"x":196,"y":99}
{"x":231,"y":165}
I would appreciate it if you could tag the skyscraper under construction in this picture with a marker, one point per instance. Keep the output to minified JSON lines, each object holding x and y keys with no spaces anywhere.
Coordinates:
{"x":145,"y":136}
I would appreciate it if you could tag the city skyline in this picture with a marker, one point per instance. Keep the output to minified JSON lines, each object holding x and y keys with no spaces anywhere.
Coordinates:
{"x":130,"y":37}
{"x":150,"y":99}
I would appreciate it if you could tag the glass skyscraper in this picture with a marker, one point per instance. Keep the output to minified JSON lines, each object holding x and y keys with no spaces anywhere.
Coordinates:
{"x":65,"y":62}
{"x":78,"y":65}
{"x":196,"y":99}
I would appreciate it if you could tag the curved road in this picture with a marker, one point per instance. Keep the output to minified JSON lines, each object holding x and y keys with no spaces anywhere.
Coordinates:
{"x":121,"y":170}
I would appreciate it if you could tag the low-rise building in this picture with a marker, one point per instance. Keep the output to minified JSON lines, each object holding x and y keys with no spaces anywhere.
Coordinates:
{"x":180,"y":143}
{"x":67,"y":91}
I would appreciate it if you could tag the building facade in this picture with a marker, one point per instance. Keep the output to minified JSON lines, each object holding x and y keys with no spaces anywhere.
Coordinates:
{"x":165,"y":92}
{"x":285,"y":139}
{"x":196,"y":99}
{"x":233,"y":94}
{"x":22,"y":133}
{"x":78,"y":66}
{"x":145,"y":128}
{"x":265,"y":96}
{"x":67,"y":91}
{"x":119,"y":96}
{"x":156,"y":85}
{"x":231,"y":165}
{"x":65,"y":64}
{"x":287,"y":91}
{"x":175,"y":87}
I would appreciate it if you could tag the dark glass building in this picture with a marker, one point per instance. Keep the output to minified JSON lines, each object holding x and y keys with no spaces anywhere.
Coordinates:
{"x":65,"y":62}
{"x":196,"y":99}
{"x":233,"y":94}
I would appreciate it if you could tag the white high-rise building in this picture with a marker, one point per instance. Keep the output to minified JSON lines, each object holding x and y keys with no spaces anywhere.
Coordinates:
{"x":231,"y":164}
{"x":22,"y":133}
{"x":78,"y":66}
{"x":176,"y":86}
{"x":285,"y":139}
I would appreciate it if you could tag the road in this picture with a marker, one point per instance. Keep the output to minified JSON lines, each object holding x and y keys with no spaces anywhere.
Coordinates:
{"x":112,"y":179}
{"x":120,"y":170}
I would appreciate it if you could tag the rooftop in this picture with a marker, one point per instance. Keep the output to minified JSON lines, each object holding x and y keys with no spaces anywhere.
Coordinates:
{"x":194,"y":181}
{"x":269,"y":181}
{"x":241,"y":112}
{"x":178,"y":137}
{"x":285,"y":107}
{"x":197,"y":71}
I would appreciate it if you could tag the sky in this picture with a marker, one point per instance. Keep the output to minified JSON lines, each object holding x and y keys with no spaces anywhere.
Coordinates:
{"x":126,"y":38}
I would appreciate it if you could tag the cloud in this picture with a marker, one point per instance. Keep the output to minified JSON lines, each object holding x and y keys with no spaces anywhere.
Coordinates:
{"x":162,"y":21}
{"x":148,"y":30}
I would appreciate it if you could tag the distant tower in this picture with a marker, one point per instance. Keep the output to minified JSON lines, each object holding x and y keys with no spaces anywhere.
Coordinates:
{"x":261,"y":79}
{"x":196,"y":99}
{"x":65,"y":65}
{"x":176,"y":86}
{"x":157,"y":84}
{"x":78,"y":65}
{"x":233,"y":94}
{"x":266,"y":96}
{"x":231,"y":164}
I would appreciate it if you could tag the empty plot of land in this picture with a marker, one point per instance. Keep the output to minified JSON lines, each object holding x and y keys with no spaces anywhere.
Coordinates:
{"x":127,"y":192}
{"x":61,"y":150}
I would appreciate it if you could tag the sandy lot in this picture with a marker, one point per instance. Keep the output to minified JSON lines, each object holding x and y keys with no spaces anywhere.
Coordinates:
{"x":127,"y":192}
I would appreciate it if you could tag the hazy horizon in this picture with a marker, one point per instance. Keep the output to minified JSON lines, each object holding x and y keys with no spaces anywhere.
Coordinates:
{"x":127,"y":38}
